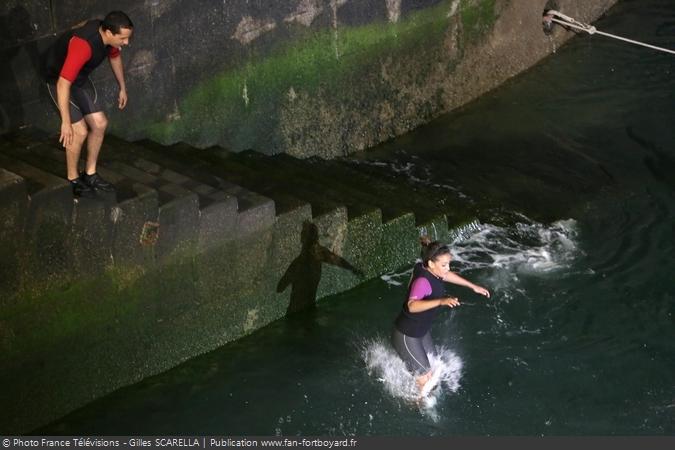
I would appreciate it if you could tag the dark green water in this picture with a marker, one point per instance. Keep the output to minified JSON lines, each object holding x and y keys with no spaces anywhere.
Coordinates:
{"x":576,"y":162}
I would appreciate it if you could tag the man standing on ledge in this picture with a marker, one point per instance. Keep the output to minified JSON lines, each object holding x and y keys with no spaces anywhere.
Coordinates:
{"x":74,"y":56}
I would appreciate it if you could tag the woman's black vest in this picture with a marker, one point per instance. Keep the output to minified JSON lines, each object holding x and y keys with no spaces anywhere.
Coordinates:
{"x":57,"y":55}
{"x":418,"y":324}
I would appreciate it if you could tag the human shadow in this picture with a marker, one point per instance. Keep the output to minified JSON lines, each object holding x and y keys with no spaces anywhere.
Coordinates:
{"x":304,"y":273}
{"x":16,"y":33}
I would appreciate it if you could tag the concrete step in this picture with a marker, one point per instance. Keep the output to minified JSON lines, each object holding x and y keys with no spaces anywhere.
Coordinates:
{"x":224,"y":205}
{"x":189,"y":211}
{"x":52,"y":159}
{"x":231,"y":173}
{"x":395,"y":186}
{"x":363,"y":230}
{"x":47,"y":227}
{"x":174,"y":208}
{"x":263,"y":178}
{"x":134,"y":212}
{"x":359,"y":198}
{"x":13,"y":210}
{"x":306,"y":181}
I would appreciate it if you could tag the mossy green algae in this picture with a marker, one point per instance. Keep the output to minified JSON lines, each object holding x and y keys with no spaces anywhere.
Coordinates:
{"x":241,"y":107}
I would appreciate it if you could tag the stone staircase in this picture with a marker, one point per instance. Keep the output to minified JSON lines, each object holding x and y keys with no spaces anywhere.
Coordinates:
{"x":188,"y":254}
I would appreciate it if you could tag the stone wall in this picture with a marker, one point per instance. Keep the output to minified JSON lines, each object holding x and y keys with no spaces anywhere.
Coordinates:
{"x":305,"y":77}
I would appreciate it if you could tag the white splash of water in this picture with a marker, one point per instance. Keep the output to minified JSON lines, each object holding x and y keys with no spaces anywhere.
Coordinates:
{"x":385,"y":366}
{"x":397,"y":278}
{"x":524,"y":248}
{"x":504,"y":253}
{"x":462,"y":232}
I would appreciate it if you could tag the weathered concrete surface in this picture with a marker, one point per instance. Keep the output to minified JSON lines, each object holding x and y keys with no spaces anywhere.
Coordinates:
{"x":305,"y":77}
{"x":13,"y":211}
{"x":99,"y":294}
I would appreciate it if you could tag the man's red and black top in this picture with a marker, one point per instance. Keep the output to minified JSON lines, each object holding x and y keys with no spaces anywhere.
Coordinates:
{"x":77,"y":53}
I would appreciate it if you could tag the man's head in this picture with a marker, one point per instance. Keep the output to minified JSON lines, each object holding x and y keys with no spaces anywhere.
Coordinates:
{"x":117,"y":29}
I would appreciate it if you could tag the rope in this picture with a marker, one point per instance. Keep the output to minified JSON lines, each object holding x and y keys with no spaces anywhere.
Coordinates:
{"x":570,"y":22}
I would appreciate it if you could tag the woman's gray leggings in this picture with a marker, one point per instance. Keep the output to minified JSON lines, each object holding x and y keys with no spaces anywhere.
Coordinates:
{"x":413,"y":351}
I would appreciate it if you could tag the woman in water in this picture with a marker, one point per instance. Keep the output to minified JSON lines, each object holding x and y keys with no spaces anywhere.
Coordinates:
{"x":426,"y":297}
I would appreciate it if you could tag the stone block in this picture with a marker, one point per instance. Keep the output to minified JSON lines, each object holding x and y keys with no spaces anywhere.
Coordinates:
{"x":218,"y":222}
{"x":255,"y":213}
{"x":173,"y":177}
{"x":47,"y":229}
{"x":148,"y":166}
{"x":90,"y":240}
{"x":130,"y":218}
{"x":346,"y":243}
{"x":399,"y":245}
{"x":13,"y":212}
{"x":230,"y":275}
{"x":132,"y":172}
{"x":178,"y":226}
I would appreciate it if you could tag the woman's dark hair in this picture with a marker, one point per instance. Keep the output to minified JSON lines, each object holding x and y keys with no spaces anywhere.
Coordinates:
{"x":115,"y":20}
{"x":431,"y":250}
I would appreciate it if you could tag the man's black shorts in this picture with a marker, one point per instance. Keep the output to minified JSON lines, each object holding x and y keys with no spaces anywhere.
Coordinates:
{"x":83,"y":100}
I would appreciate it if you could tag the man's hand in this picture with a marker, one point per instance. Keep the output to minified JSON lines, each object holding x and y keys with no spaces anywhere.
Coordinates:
{"x":66,"y":137}
{"x":122,"y":99}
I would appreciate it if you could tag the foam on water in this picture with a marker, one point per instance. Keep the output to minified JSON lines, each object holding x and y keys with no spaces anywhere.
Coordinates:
{"x":385,"y":366}
{"x":526,"y":247}
{"x":503,"y":253}
{"x":397,"y":278}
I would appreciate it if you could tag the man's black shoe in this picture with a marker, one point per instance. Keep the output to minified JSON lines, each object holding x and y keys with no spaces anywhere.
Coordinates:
{"x":95,"y":181}
{"x":81,"y":189}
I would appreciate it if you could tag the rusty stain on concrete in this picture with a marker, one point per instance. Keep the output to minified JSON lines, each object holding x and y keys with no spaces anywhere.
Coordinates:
{"x":150,"y":233}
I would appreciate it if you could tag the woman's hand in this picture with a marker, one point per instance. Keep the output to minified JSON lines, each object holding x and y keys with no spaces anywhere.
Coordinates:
{"x":450,"y":302}
{"x":481,"y":291}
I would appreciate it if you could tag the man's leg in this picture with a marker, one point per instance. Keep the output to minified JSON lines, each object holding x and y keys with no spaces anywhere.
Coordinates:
{"x":80,"y":188}
{"x":75,"y":148}
{"x":97,"y":122}
{"x":79,"y":126}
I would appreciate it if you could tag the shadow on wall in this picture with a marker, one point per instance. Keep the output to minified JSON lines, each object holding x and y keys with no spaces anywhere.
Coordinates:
{"x":304,"y":273}
{"x":15,"y":27}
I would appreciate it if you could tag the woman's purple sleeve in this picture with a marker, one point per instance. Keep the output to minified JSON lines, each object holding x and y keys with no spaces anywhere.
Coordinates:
{"x":420,"y":289}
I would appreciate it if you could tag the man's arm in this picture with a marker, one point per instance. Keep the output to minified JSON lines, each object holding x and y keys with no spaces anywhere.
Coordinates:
{"x":79,"y":52}
{"x":118,"y":70}
{"x":63,"y":100}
